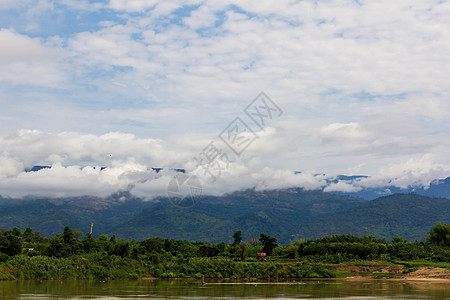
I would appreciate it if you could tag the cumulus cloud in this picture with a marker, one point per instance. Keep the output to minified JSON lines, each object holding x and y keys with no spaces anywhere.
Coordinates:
{"x":33,"y":147}
{"x":100,"y":165}
{"x":76,"y":161}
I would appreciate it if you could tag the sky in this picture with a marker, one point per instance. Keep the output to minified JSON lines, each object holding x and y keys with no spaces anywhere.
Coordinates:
{"x":349,"y":87}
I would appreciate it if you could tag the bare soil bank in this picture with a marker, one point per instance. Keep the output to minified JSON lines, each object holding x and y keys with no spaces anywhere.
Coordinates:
{"x":394,"y":272}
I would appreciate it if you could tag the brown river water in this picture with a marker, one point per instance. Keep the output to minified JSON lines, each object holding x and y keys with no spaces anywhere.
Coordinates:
{"x":193,"y":289}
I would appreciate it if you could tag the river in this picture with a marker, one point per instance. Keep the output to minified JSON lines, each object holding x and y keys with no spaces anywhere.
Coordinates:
{"x":193,"y":289}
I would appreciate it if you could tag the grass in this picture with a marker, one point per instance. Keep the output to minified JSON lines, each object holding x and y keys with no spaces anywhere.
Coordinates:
{"x":342,"y":274}
{"x":372,"y":263}
{"x":410,"y":270}
{"x":417,"y":264}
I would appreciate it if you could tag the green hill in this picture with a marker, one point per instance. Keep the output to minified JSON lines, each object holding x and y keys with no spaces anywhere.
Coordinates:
{"x":287,"y":214}
{"x":40,"y":214}
{"x":214,"y":219}
{"x":50,"y":216}
{"x":409,"y":216}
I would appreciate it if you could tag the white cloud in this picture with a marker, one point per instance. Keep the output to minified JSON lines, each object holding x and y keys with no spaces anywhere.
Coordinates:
{"x":413,"y":172}
{"x":277,"y":179}
{"x":18,"y":47}
{"x":202,"y":17}
{"x":26,"y":61}
{"x":9,"y":166}
{"x":77,"y":159}
{"x":56,"y":182}
{"x":343,"y":132}
{"x":381,"y":137}
{"x":133,"y":5}
{"x":341,"y":186}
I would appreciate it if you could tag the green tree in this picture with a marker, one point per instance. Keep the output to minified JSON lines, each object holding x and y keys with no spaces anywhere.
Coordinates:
{"x":237,"y":236}
{"x":112,"y":239}
{"x":398,"y":240}
{"x":16,"y":232}
{"x":10,"y":244}
{"x":103,"y":238}
{"x":439,"y":235}
{"x":121,"y":248}
{"x":89,"y":244}
{"x":57,"y":248}
{"x":68,"y":236}
{"x":242,"y":251}
{"x":28,"y":234}
{"x":269,"y":243}
{"x":77,"y":233}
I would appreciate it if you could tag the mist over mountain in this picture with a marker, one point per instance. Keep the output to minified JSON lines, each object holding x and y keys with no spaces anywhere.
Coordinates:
{"x":439,"y":188}
{"x":339,"y":206}
{"x":287,"y":214}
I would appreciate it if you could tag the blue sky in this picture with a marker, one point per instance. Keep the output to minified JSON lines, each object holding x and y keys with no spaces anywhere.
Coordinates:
{"x":133,"y":84}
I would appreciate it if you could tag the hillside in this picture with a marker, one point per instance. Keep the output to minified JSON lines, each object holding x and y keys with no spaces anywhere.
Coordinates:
{"x":50,"y":216}
{"x":287,"y":214}
{"x":407,"y":215}
{"x":39,"y":213}
{"x":279,"y":213}
{"x":214,"y":219}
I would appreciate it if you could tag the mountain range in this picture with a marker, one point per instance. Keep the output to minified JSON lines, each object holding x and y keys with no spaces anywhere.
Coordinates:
{"x":287,"y":214}
{"x":409,"y":216}
{"x":439,"y":188}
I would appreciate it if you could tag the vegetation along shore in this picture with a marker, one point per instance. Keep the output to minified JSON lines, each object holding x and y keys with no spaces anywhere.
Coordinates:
{"x":68,"y":255}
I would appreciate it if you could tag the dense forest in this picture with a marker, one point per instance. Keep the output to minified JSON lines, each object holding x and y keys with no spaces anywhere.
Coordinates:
{"x":28,"y":255}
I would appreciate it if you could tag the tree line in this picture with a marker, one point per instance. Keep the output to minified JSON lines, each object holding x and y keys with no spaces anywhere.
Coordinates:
{"x":70,"y":255}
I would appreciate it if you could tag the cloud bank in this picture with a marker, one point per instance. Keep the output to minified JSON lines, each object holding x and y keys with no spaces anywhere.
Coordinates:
{"x":101,"y":165}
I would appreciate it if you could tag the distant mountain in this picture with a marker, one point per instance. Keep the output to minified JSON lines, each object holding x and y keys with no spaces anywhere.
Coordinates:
{"x":37,"y":168}
{"x":439,"y":188}
{"x":409,"y":216}
{"x":277,"y":212}
{"x":39,"y":214}
{"x":50,"y":216}
{"x":286,"y":214}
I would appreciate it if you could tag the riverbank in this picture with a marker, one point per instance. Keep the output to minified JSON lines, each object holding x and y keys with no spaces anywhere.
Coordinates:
{"x":103,"y":266}
{"x":408,"y":271}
